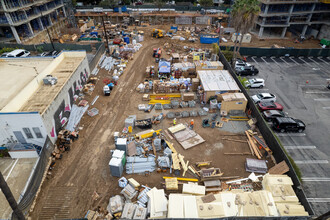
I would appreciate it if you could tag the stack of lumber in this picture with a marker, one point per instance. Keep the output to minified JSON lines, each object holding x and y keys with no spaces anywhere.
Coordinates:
{"x":286,"y":201}
{"x":171,"y":184}
{"x":253,"y":147}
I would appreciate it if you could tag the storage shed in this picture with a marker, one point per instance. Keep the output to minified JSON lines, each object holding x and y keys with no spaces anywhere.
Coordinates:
{"x":233,"y":102}
{"x":175,"y":58}
{"x":216,"y":82}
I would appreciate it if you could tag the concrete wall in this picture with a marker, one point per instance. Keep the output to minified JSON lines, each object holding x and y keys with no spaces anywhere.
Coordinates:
{"x":23,"y":154}
{"x":59,"y":111}
{"x":16,"y":121}
{"x":324,"y":32}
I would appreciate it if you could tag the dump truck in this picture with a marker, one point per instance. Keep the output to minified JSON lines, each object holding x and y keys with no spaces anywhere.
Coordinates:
{"x":157,"y":33}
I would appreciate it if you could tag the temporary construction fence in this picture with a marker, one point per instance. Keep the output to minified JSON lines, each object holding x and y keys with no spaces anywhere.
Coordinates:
{"x":203,"y":20}
{"x":48,"y":47}
{"x":270,"y":138}
{"x":278,"y":52}
{"x":209,"y":39}
{"x":183,"y":20}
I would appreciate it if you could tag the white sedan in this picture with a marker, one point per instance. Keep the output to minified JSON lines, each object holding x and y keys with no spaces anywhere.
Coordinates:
{"x":264,"y":97}
{"x":255,"y":83}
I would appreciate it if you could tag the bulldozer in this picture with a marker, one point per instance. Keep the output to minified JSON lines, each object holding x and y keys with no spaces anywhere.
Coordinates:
{"x":157,"y":33}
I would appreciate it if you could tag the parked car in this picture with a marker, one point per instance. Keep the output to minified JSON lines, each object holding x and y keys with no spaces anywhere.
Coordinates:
{"x":240,"y":63}
{"x":18,"y":53}
{"x":285,"y":124}
{"x":255,"y":83}
{"x":49,"y":53}
{"x":264,"y":106}
{"x":270,"y":115}
{"x":4,"y":54}
{"x":264,"y":97}
{"x":246,"y":71}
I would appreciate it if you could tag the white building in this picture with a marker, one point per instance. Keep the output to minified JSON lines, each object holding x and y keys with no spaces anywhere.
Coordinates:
{"x":30,"y":111}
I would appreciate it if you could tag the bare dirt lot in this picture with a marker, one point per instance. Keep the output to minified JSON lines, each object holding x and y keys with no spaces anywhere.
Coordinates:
{"x":68,"y":191}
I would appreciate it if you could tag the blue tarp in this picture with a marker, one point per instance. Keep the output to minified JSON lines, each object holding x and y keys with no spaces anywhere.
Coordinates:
{"x":209,"y":39}
{"x":123,"y":9}
{"x":164,"y":67}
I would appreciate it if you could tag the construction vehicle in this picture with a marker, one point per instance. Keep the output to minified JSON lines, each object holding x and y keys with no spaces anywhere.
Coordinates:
{"x":106,"y":90}
{"x":157,"y":33}
{"x":157,"y":52}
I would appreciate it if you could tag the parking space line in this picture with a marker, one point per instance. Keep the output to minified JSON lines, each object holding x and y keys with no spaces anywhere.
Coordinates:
{"x":275,"y":61}
{"x":315,"y":179}
{"x":322,"y":100}
{"x":313,"y":60}
{"x":318,"y":200}
{"x":311,"y":161}
{"x":326,"y":107}
{"x":299,"y":147}
{"x":304,"y":61}
{"x":284,"y":61}
{"x":315,"y":92}
{"x":294,"y":61}
{"x":264,"y":60}
{"x":324,"y":61}
{"x":11,"y":170}
{"x":254,"y":60}
{"x":291,"y":134}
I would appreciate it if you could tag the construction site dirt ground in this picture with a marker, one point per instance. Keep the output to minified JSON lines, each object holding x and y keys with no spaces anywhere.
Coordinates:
{"x":68,"y":191}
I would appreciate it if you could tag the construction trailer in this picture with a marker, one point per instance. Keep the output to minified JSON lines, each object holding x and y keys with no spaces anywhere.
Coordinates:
{"x":233,"y":102}
{"x":215,"y":83}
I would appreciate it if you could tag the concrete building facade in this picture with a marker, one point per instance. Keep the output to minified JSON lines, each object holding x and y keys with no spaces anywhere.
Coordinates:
{"x":30,"y":111}
{"x":23,"y":19}
{"x":300,"y":17}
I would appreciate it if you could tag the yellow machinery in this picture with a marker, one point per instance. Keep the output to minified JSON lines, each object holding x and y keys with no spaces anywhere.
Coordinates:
{"x":157,"y":33}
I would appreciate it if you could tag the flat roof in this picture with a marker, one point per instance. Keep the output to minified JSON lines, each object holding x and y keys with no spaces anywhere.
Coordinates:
{"x":217,"y":80}
{"x":16,"y":73}
{"x":35,"y":96}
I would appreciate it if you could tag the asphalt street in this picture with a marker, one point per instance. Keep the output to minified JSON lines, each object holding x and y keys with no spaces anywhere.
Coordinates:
{"x":300,"y":86}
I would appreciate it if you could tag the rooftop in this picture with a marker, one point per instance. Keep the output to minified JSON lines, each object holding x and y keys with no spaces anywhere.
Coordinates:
{"x":24,"y":88}
{"x":217,"y":80}
{"x":16,"y":73}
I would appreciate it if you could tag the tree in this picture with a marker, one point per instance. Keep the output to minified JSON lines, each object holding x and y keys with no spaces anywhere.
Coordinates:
{"x":159,"y":4}
{"x":244,"y":13}
{"x":206,"y":3}
{"x":110,"y":3}
{"x":17,"y":213}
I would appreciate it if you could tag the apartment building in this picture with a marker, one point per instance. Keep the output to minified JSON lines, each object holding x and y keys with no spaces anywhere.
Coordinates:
{"x":300,"y":17}
{"x":23,"y":19}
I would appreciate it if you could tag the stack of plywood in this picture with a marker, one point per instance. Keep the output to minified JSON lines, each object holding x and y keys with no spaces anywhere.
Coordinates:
{"x":286,"y":200}
{"x":158,"y":203}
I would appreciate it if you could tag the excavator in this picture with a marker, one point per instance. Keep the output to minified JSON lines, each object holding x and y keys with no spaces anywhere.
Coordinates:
{"x":157,"y":33}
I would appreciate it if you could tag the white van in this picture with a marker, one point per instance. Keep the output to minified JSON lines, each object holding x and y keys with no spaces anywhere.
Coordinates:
{"x":18,"y":53}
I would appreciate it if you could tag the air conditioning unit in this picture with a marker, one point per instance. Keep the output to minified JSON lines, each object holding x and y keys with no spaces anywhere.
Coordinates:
{"x":50,"y":80}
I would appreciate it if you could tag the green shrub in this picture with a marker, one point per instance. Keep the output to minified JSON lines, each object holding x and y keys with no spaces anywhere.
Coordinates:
{"x":6,"y":49}
{"x":228,"y":54}
{"x":40,"y":49}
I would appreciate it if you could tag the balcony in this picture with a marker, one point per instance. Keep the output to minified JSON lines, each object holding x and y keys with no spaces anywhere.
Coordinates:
{"x":288,"y":1}
{"x":22,"y":6}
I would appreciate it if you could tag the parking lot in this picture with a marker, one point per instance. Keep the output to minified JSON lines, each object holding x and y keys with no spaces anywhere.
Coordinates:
{"x":300,"y":86}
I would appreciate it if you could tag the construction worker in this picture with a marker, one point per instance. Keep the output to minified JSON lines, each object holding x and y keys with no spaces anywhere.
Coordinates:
{"x":192,"y":124}
{"x":174,"y":121}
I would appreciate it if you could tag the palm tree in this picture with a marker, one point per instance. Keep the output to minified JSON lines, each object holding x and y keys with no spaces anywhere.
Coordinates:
{"x":244,"y":14}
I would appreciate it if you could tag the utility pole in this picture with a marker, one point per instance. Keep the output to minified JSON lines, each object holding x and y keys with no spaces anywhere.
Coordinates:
{"x":219,"y":21}
{"x":17,"y":213}
{"x":106,"y":35}
{"x":51,"y":40}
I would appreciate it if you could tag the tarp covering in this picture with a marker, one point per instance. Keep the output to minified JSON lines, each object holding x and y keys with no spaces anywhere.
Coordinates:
{"x":164,"y":67}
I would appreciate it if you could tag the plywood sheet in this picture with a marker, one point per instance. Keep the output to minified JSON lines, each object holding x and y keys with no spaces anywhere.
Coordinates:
{"x":177,"y":128}
{"x":192,"y":142}
{"x":228,"y":201}
{"x":193,"y":189}
{"x":190,"y":207}
{"x":184,"y":135}
{"x":175,"y":206}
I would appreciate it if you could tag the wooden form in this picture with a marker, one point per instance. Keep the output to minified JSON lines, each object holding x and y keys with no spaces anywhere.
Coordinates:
{"x":254,"y":146}
{"x":279,"y":168}
{"x":170,"y":145}
{"x":175,"y":159}
{"x":183,"y":164}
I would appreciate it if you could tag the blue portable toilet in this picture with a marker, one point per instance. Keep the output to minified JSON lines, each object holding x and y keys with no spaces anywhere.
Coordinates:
{"x":126,"y":39}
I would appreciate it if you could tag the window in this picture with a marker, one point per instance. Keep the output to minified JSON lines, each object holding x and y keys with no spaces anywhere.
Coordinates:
{"x":28,"y":133}
{"x":37,"y":132}
{"x":20,"y":54}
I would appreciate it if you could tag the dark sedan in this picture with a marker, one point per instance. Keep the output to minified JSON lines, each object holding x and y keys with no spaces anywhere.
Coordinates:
{"x":270,"y":115}
{"x":247,"y":70}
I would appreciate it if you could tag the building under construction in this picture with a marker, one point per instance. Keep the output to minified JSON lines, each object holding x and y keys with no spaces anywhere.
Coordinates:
{"x":25,"y":19}
{"x":300,"y":17}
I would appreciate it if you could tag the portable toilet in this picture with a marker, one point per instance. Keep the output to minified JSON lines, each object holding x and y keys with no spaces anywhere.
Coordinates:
{"x":116,"y":167}
{"x":120,"y":155}
{"x":121,"y":144}
{"x":126,"y":39}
